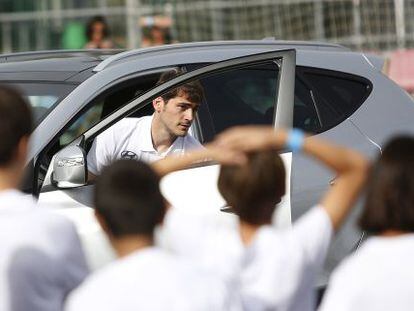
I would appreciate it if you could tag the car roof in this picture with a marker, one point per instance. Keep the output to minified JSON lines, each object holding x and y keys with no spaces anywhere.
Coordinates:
{"x":210,"y":46}
{"x":77,"y":65}
{"x":60,"y":65}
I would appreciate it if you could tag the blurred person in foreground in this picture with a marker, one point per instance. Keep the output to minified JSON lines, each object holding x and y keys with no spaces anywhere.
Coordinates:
{"x":129,"y":206}
{"x":41,"y":259}
{"x":379,"y":276}
{"x":98,"y":34}
{"x":151,"y":138}
{"x":271,"y":268}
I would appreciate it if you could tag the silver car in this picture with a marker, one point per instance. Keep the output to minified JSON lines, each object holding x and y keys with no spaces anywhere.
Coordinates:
{"x":324,"y":89}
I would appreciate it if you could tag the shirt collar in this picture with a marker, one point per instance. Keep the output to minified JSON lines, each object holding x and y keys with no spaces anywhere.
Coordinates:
{"x":146,"y":144}
{"x":146,"y":138}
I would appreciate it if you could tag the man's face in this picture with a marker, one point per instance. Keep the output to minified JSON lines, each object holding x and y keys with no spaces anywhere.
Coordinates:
{"x":177,"y":114}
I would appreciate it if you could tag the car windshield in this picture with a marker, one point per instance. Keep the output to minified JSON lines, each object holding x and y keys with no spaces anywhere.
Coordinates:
{"x":42,"y":96}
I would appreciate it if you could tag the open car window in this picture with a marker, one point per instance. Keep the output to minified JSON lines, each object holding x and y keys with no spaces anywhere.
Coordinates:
{"x":282,"y":73}
{"x":109,"y":102}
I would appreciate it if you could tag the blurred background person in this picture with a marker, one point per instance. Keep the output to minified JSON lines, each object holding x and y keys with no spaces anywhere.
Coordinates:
{"x":98,"y":34}
{"x":154,"y":36}
{"x":156,"y":30}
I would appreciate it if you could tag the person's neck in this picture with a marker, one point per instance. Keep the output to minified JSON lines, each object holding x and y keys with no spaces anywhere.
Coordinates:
{"x":247,"y":232}
{"x":162,"y":139}
{"x":392,"y":233}
{"x":126,"y":245}
{"x":9,"y":178}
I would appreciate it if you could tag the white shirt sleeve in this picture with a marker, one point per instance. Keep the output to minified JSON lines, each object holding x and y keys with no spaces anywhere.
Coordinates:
{"x":47,"y":275}
{"x":101,"y":152}
{"x":313,"y":232}
{"x":71,"y":257}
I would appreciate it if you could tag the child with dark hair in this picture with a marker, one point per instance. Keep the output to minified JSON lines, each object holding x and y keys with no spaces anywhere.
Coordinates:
{"x":41,"y":259}
{"x":379,"y":276}
{"x":129,"y":206}
{"x":274,"y":269}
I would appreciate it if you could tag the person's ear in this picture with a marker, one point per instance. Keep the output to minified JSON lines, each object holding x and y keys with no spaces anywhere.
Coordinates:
{"x":158,"y":104}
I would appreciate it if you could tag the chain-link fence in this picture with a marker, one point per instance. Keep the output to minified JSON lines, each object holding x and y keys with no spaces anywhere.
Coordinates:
{"x":360,"y":24}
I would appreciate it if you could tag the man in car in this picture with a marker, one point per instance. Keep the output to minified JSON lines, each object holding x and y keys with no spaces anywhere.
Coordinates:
{"x":151,"y":138}
{"x":41,"y":258}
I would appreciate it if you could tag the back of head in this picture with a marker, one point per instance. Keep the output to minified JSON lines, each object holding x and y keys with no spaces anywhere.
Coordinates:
{"x":390,"y":195}
{"x":15,"y":122}
{"x":192,"y":90}
{"x":254,"y":189}
{"x":128,"y":198}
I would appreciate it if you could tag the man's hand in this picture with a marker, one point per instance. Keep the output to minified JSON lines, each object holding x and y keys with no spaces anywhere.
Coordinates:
{"x":251,"y":138}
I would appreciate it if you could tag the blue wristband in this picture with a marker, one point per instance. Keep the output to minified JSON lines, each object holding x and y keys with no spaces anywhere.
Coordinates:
{"x":295,"y":140}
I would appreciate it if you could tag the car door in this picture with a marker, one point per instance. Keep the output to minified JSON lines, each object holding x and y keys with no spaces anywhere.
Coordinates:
{"x":336,"y":96}
{"x":200,"y":189}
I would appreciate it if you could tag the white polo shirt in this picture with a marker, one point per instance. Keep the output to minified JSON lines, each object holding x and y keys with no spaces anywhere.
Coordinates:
{"x":379,"y":276}
{"x":277,"y":271}
{"x":152,"y":279}
{"x":131,"y":138}
{"x":41,"y":259}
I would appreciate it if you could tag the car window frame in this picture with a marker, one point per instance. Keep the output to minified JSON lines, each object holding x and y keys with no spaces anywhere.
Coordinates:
{"x":283,"y":112}
{"x":319,"y":100}
{"x":209,"y":130}
{"x":283,"y":104}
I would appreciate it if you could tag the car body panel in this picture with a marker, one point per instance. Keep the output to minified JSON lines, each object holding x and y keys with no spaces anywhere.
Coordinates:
{"x":373,"y":118}
{"x":193,"y":189}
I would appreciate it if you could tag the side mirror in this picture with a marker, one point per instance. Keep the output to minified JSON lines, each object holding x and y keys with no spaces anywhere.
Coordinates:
{"x":69,"y":168}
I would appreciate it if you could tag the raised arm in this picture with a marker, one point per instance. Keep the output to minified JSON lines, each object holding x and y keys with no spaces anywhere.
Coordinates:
{"x":210,"y":153}
{"x":351,"y":168}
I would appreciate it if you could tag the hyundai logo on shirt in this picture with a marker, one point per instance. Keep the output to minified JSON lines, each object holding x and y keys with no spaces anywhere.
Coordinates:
{"x":129,"y":155}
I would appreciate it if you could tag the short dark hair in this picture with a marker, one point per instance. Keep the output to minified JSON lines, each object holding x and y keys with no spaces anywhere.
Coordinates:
{"x":128,"y":198}
{"x":192,"y":90}
{"x":389,"y":202}
{"x":254,"y":189}
{"x":94,"y":20}
{"x":15,"y":122}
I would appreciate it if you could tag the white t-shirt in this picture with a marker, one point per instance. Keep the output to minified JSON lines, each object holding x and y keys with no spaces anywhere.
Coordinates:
{"x":151,"y":279}
{"x":277,"y":271}
{"x":41,"y":259}
{"x":131,"y":138}
{"x":379,"y":276}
